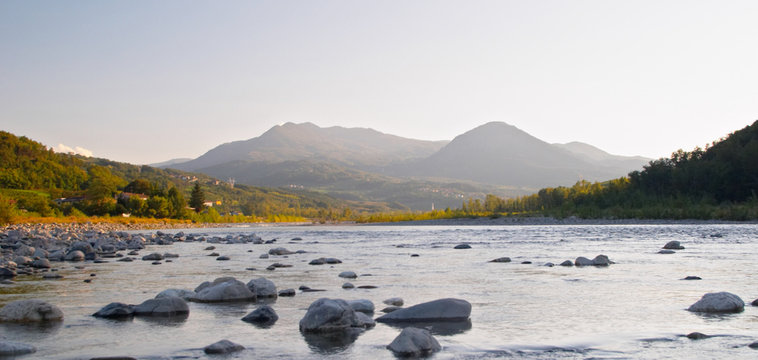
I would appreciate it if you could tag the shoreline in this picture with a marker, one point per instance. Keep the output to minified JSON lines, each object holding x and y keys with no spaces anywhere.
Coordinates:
{"x":479,"y":221}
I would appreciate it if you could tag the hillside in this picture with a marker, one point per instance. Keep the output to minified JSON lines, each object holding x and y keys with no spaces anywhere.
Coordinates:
{"x":33,"y":176}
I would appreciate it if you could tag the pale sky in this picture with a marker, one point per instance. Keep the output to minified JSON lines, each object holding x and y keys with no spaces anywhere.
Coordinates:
{"x":147,"y":81}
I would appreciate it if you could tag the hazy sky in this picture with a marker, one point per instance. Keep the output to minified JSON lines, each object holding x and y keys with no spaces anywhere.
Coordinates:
{"x":146,"y":81}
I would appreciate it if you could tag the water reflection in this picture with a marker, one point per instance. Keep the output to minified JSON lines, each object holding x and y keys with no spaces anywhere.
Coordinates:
{"x":170,"y":321}
{"x":41,"y":328}
{"x":442,"y":328}
{"x":333,"y":342}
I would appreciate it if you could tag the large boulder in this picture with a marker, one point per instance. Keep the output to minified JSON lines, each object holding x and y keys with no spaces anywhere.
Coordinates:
{"x":673,"y":245}
{"x":168,"y":306}
{"x":280,"y":251}
{"x":224,"y":289}
{"x":362,"y":305}
{"x":438,"y":310}
{"x":262,"y":287}
{"x":185,"y":294}
{"x":263,"y":316}
{"x":414,"y":342}
{"x":32,"y":310}
{"x":115,"y":310}
{"x":720,"y":302}
{"x":75,"y":255}
{"x":223,"y":347}
{"x":12,"y":348}
{"x":327,"y":315}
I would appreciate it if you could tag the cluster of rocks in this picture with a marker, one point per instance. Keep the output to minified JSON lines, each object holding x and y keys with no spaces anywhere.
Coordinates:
{"x":600,"y":260}
{"x":33,"y":249}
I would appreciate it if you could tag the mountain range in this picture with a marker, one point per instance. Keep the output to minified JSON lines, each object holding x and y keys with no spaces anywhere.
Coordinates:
{"x":367,"y":165}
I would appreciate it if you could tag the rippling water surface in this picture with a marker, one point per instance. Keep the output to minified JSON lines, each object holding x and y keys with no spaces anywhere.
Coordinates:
{"x":632,"y":309}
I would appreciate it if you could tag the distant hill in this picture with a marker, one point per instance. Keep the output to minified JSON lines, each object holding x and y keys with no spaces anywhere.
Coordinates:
{"x":498,"y":153}
{"x":594,"y":155}
{"x":170,"y":163}
{"x":366,"y":165}
{"x":355,"y":147}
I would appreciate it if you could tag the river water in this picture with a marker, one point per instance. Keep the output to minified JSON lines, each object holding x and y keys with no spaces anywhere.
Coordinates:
{"x":633,"y":309}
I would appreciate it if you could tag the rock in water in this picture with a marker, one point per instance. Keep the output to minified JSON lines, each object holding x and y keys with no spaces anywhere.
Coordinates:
{"x":167,"y":306}
{"x":348,"y":275}
{"x":362,"y":305}
{"x":187,"y":295}
{"x":697,"y":336}
{"x":501,"y":260}
{"x":263,"y":315}
{"x":462,"y":246}
{"x":438,"y":310}
{"x":12,"y":348}
{"x":115,"y":310}
{"x":225,"y":289}
{"x":414,"y":342}
{"x":262,"y":287}
{"x":32,"y":310}
{"x":327,"y":315}
{"x":583,"y":261}
{"x":223,"y":347}
{"x":673,"y":245}
{"x":720,"y":302}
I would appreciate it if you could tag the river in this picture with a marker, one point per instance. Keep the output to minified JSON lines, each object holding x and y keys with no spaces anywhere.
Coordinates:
{"x":635,"y":308}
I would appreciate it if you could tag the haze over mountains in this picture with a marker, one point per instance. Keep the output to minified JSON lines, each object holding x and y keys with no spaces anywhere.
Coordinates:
{"x":364,"y":164}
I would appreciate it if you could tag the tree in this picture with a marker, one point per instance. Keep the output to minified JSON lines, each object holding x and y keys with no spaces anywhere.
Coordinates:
{"x":7,"y":211}
{"x":197,"y":198}
{"x":178,"y":204}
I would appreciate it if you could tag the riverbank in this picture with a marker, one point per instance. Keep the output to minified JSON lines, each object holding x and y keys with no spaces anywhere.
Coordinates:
{"x":540,"y":220}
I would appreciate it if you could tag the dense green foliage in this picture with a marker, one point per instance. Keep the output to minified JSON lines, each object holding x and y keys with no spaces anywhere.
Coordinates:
{"x":719,"y":182}
{"x":197,"y":198}
{"x":33,"y":177}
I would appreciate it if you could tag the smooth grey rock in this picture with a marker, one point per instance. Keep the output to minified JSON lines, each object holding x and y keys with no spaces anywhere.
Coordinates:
{"x":501,"y":260}
{"x":262,"y":287}
{"x":754,"y":303}
{"x":329,"y":315}
{"x":31,"y":310}
{"x":693,"y":278}
{"x":167,"y":306}
{"x":280,"y":251}
{"x":115,"y":310}
{"x":7,"y":273}
{"x":720,"y":302}
{"x":395,"y":301}
{"x":697,"y":336}
{"x":287,"y":292}
{"x":583,"y":261}
{"x":364,"y":320}
{"x":264,"y":315}
{"x":223,"y":347}
{"x":348,"y":285}
{"x":153,"y":257}
{"x":673,"y":245}
{"x":263,"y":256}
{"x":462,"y":246}
{"x":185,"y":294}
{"x":222,"y":258}
{"x":414,"y":342}
{"x":75,"y":255}
{"x":41,"y":264}
{"x":319,"y":261}
{"x":22,"y":260}
{"x":12,"y":348}
{"x":438,"y":310}
{"x":348,"y":275}
{"x":362,"y":305}
{"x":390,"y":309}
{"x":601,"y":260}
{"x":224,"y":289}
{"x":753,"y":345}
